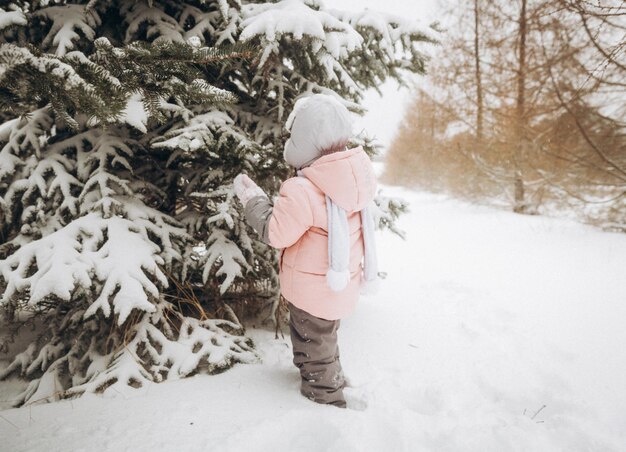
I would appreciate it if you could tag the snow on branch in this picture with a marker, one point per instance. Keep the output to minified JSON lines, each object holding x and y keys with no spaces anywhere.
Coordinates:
{"x":66,"y":21}
{"x":21,"y":135}
{"x":208,"y":130}
{"x":386,"y":213}
{"x":157,"y":346}
{"x":390,"y":27}
{"x":124,"y":273}
{"x":51,"y":180}
{"x":156,"y":227}
{"x":53,"y":266}
{"x":158,"y":24}
{"x":10,"y":18}
{"x":106,"y":151}
{"x":92,"y":255}
{"x":25,"y":134}
{"x":203,"y":22}
{"x":45,"y":64}
{"x":135,"y":113}
{"x":224,"y":254}
{"x":39,"y":182}
{"x":271,"y":21}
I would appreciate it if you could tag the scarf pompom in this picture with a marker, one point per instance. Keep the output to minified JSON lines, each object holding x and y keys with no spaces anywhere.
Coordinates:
{"x":337,"y":280}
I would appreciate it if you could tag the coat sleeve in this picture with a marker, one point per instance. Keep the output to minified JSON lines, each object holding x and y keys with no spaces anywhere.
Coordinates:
{"x":258,"y":212}
{"x":292,"y":215}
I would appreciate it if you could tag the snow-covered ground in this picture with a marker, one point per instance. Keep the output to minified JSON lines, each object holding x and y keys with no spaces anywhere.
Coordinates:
{"x":492,"y":332}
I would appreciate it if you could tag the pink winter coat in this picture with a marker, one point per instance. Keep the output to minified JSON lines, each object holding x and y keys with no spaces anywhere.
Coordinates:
{"x":299,"y":224}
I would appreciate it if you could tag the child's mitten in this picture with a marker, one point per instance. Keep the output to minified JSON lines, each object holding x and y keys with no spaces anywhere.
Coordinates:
{"x":246,"y":189}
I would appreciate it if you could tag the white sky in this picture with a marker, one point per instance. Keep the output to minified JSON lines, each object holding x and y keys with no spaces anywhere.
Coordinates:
{"x":385,"y":113}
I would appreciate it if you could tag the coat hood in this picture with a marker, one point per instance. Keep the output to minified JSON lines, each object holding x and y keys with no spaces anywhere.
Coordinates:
{"x":347,"y":177}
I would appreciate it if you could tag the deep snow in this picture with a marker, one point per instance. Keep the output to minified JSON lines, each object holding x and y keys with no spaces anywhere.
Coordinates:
{"x":492,"y":332}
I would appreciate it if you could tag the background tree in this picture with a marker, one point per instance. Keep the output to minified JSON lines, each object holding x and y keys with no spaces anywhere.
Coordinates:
{"x":535,"y":108}
{"x":125,"y":123}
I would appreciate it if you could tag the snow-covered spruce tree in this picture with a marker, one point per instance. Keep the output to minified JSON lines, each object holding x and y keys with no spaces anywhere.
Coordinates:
{"x":120,"y":238}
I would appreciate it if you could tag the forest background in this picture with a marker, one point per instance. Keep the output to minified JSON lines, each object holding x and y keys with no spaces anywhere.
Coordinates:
{"x":523,"y":107}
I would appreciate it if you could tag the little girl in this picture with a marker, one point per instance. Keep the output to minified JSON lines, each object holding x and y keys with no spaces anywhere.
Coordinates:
{"x":323,"y":225}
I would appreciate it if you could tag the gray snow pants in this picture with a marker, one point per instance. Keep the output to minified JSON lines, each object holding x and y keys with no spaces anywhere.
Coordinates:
{"x":316,"y":354}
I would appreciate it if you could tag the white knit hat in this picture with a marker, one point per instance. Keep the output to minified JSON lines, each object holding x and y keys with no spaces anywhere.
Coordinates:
{"x":316,"y":123}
